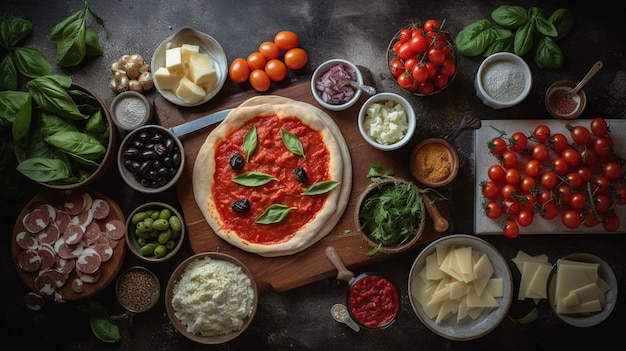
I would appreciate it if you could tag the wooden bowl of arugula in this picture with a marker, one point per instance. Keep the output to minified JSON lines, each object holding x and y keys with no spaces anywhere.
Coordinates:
{"x":71,"y":140}
{"x":390,"y":214}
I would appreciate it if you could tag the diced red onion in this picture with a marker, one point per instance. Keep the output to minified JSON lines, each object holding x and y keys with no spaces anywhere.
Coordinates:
{"x":334,"y":86}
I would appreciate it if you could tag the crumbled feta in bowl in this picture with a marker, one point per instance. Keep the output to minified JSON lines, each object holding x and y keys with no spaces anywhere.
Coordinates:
{"x":387,"y":121}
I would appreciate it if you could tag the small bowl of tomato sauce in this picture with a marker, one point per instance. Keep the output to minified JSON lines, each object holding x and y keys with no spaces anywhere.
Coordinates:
{"x":373,"y":301}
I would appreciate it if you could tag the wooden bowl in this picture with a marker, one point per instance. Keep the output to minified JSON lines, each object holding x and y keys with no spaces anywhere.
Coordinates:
{"x":434,"y":162}
{"x":373,"y":189}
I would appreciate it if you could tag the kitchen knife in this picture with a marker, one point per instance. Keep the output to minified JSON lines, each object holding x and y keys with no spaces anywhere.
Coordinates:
{"x":199,"y":123}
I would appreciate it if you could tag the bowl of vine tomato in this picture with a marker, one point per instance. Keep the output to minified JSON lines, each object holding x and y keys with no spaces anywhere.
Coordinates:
{"x":423,"y":57}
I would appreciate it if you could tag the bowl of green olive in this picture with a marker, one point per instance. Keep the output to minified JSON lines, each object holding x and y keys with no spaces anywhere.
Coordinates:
{"x":155,"y":232}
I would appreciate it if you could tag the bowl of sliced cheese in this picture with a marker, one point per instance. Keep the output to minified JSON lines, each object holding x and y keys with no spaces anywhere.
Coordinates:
{"x":189,"y":68}
{"x":460,"y":287}
{"x":582,"y":289}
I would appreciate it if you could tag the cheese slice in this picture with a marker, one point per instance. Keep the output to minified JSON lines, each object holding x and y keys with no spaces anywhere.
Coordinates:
{"x":174,"y":60}
{"x":166,"y":79}
{"x":189,"y":91}
{"x":187,"y":49}
{"x":483,"y":271}
{"x":537,"y":288}
{"x":201,"y":71}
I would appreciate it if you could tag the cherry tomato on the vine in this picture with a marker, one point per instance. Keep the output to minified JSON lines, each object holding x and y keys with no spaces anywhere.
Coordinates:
{"x":612,"y":170}
{"x":558,"y":142}
{"x":518,"y":142}
{"x":497,"y":145}
{"x":540,"y":152}
{"x":508,"y":192}
{"x":436,"y":56}
{"x":549,"y":180}
{"x":492,"y":210}
{"x":405,"y":80}
{"x":510,"y":229}
{"x":496,"y":173}
{"x":541,"y":133}
{"x":524,"y":218}
{"x":602,"y":147}
{"x":571,"y":219}
{"x":549,"y":210}
{"x":490,"y":190}
{"x":509,"y":159}
{"x":571,"y":156}
{"x":448,"y":67}
{"x":599,"y":126}
{"x":431,"y":25}
{"x":396,"y":67}
{"x":418,"y":43}
{"x":580,"y":135}
{"x":611,"y":223}
{"x":532,"y":168}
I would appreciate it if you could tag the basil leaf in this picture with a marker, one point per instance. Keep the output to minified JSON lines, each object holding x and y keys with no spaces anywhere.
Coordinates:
{"x":101,"y":324}
{"x":8,"y":74}
{"x":56,"y":33}
{"x":96,"y":123}
{"x":250,"y":142}
{"x":545,"y":27}
{"x":44,"y":170}
{"x":71,"y":49}
{"x":528,"y":318}
{"x":62,"y":80}
{"x":52,"y":97}
{"x":21,"y":126}
{"x":31,"y":62}
{"x":13,"y":31}
{"x":82,"y":98}
{"x":501,"y":44}
{"x":92,"y":43}
{"x":253,"y":179}
{"x":524,"y":39}
{"x":475,"y":38}
{"x":511,"y":17}
{"x":292,"y":142}
{"x":321,"y":187}
{"x":5,"y":37}
{"x":77,"y":143}
{"x":51,"y":123}
{"x":274,"y":214}
{"x":563,"y":21}
{"x":548,"y":54}
{"x":10,"y":104}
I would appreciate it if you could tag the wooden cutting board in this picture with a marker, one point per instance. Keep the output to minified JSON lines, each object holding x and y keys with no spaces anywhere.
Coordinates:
{"x":288,"y":272}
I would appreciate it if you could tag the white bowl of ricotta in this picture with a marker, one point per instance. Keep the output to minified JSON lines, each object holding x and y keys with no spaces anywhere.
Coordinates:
{"x":387,"y":121}
{"x":503,"y":80}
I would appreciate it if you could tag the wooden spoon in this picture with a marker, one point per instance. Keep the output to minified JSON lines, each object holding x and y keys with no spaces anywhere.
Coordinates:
{"x":592,"y":72}
{"x":440,"y":223}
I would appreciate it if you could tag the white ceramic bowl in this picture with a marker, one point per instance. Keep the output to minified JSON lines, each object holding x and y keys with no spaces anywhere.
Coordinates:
{"x":467,"y":328}
{"x":605,"y":273}
{"x":323,"y":68}
{"x":130,"y":110}
{"x":128,"y":172}
{"x":381,"y":98}
{"x":208,"y":45}
{"x":493,"y":81}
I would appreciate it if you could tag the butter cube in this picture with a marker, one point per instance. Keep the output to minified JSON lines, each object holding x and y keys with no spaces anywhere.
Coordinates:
{"x":189,"y":91}
{"x":187,"y":50}
{"x":201,"y":71}
{"x":167,"y":80}
{"x":174,"y":60}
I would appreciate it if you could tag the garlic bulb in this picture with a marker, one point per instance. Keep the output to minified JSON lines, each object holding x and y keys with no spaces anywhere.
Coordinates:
{"x":131,"y":72}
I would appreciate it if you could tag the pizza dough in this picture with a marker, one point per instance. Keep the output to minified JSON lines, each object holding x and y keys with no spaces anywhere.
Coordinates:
{"x":339,"y":168}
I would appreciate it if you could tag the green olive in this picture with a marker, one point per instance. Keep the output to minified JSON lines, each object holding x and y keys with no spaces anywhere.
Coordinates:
{"x":175,"y":224}
{"x":147,"y":224}
{"x":161,"y":224}
{"x":141,"y":241}
{"x":148,"y":249}
{"x":142,"y":235}
{"x":164,"y":236}
{"x":160,"y":251}
{"x":170,"y":245}
{"x":154,"y":214}
{"x":139,"y":216}
{"x":165,"y":213}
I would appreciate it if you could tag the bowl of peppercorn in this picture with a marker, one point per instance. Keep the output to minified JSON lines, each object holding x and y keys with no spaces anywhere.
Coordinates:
{"x":150,"y":159}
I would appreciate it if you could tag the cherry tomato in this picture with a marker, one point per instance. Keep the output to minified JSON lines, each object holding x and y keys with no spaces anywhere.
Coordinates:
{"x":571,"y":219}
{"x":295,"y":58}
{"x":256,"y":60}
{"x":621,"y":196}
{"x":574,"y":180}
{"x":541,"y":133}
{"x":611,"y":223}
{"x":286,"y":40}
{"x":549,"y":180}
{"x":492,"y":210}
{"x":524,"y":218}
{"x":448,"y":67}
{"x":540,"y":152}
{"x":441,"y":80}
{"x":549,"y":210}
{"x":584,"y":173}
{"x":532,"y":168}
{"x":600,"y":184}
{"x":270,"y":50}
{"x":509,"y":159}
{"x":612,"y":170}
{"x":405,"y":52}
{"x":405,"y":35}
{"x":497,"y":145}
{"x":599,"y":127}
{"x":239,"y":70}
{"x":426,"y":87}
{"x":418,"y":43}
{"x":420,"y":73}
{"x":276,"y":70}
{"x":410,"y":64}
{"x":490,"y":190}
{"x":602,"y":203}
{"x":528,"y":184}
{"x":432,"y":69}
{"x":512,"y":208}
{"x":577,"y":201}
{"x":560,"y":166}
{"x":259,"y":80}
{"x":580,"y":135}
{"x":431,"y":25}
{"x":512,"y":176}
{"x":545,"y":195}
{"x":436,"y":56}
{"x":528,"y":201}
{"x":588,"y":157}
{"x":558,"y":142}
{"x":590,"y":219}
{"x":496,"y":173}
{"x":518,"y":142}
{"x":602,"y":147}
{"x":396,"y":67}
{"x":405,"y":80}
{"x":510,"y":229}
{"x":571,"y":156}
{"x":508,"y":192}
{"x":564,"y":192}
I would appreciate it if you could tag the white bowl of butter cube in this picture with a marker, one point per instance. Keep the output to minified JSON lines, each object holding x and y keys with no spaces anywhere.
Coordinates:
{"x":189,"y":68}
{"x":460,"y":287}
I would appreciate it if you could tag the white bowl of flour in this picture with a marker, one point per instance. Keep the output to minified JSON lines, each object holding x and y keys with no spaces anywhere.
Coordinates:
{"x":503,"y":80}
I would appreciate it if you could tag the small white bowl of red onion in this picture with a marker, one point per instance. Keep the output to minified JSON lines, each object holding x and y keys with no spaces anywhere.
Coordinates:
{"x":330,"y":84}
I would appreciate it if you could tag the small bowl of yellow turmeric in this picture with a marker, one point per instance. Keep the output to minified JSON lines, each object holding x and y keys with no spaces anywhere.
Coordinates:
{"x":434,"y":162}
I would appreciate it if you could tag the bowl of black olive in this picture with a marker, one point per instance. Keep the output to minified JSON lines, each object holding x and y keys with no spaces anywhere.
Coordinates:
{"x":150,"y":159}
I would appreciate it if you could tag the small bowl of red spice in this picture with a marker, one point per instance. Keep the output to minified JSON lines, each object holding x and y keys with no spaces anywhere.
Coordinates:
{"x":563,"y":105}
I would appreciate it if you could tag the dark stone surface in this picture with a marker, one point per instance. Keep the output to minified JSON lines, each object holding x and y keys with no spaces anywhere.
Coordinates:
{"x":358,"y":31}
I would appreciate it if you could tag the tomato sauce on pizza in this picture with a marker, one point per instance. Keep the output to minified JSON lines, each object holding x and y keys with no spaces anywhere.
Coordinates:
{"x":271,"y":156}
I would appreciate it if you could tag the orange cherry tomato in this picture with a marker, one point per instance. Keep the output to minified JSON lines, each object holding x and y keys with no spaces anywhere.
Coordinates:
{"x":270,"y":50}
{"x":276,"y":70}
{"x":256,"y":60}
{"x":286,"y":40}
{"x":296,"y":58}
{"x":239,"y":70}
{"x":259,"y":80}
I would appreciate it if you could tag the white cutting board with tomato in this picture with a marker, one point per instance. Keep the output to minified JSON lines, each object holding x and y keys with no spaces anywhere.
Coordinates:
{"x":484,"y":159}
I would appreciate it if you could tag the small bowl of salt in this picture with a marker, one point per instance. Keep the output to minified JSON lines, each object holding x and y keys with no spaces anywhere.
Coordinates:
{"x":131,"y":110}
{"x":503,"y":80}
{"x":331,"y":84}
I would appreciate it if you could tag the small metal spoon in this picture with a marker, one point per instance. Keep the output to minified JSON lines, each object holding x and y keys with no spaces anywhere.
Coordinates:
{"x":340,"y":314}
{"x":592,"y":72}
{"x":365,"y":88}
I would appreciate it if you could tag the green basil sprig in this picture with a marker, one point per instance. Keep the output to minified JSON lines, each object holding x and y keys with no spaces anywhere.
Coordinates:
{"x":274,"y":214}
{"x":13,"y":31}
{"x":250,"y":142}
{"x":321,"y":187}
{"x":77,"y":143}
{"x":53,"y":97}
{"x":101,"y":324}
{"x":44,"y":169}
{"x":292,"y":142}
{"x":253,"y":178}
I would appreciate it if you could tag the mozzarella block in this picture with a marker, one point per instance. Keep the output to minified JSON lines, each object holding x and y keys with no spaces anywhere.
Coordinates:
{"x":166,"y":79}
{"x":579,"y":289}
{"x":201,"y":71}
{"x":174,"y":60}
{"x":189,"y":91}
{"x":187,"y":50}
{"x":456,"y":280}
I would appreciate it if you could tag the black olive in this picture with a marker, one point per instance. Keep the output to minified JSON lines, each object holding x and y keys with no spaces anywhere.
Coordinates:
{"x":176,"y":159}
{"x":167,"y":160}
{"x":143,"y":137}
{"x":170,"y":145}
{"x":160,"y":149}
{"x":147,"y":155}
{"x":236,"y":161}
{"x":241,"y":205}
{"x":157,"y":138}
{"x":300,"y":174}
{"x":131,"y":152}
